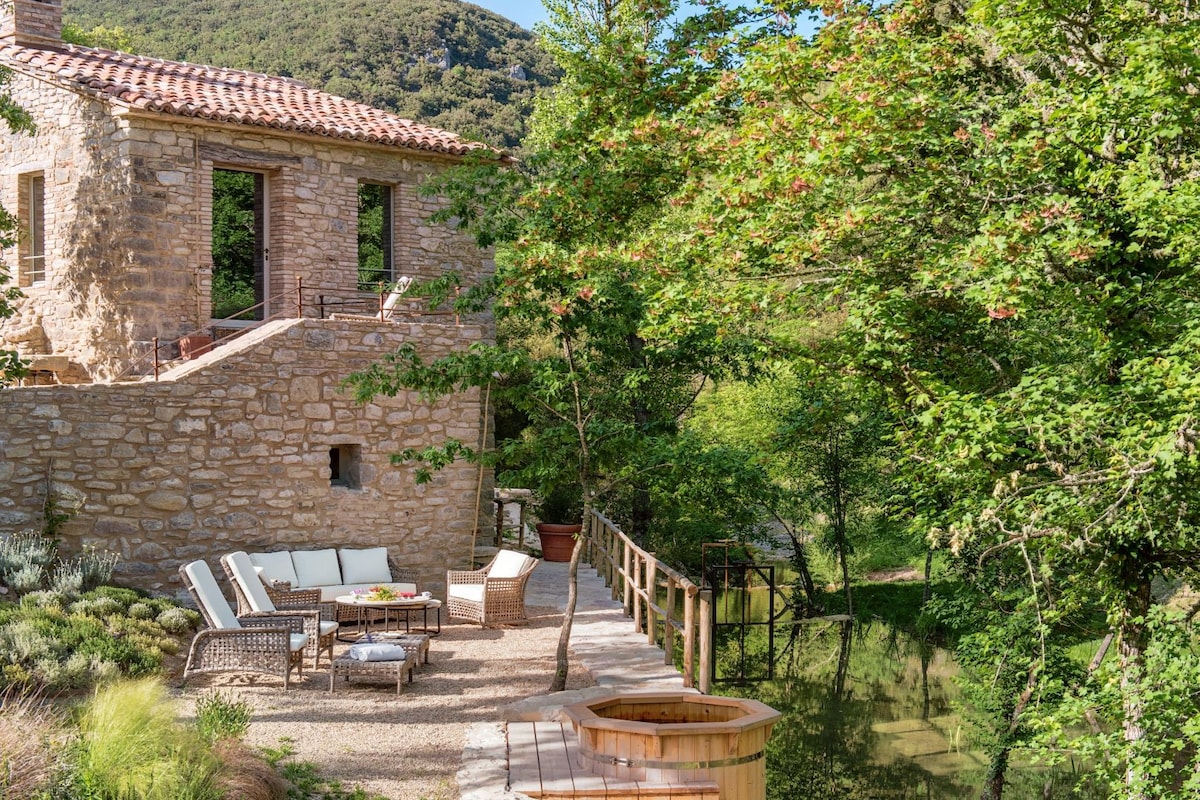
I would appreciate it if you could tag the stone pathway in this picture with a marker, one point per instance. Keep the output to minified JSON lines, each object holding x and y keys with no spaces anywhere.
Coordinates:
{"x":604,"y":641}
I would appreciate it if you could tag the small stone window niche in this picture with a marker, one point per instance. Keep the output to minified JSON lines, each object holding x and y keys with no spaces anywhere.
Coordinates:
{"x":344,"y":462}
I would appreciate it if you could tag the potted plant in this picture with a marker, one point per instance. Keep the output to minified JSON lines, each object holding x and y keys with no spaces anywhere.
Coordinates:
{"x":559,"y":513}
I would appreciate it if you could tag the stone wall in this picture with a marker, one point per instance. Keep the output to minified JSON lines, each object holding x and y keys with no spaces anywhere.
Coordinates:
{"x":129,"y":232}
{"x":232,"y":451}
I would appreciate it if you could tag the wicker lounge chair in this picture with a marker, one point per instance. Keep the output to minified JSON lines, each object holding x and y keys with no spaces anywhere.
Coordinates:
{"x":493,"y":594}
{"x":274,"y":645}
{"x":254,"y":601}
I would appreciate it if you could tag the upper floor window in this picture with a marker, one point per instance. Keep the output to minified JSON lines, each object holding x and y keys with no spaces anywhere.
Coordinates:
{"x":33,"y":223}
{"x":374,"y":235}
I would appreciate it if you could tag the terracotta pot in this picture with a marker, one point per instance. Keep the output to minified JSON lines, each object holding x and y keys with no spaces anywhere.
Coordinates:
{"x":557,"y":540}
{"x":194,"y":345}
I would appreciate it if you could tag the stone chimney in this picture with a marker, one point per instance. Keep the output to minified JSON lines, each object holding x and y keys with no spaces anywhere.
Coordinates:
{"x":31,"y":23}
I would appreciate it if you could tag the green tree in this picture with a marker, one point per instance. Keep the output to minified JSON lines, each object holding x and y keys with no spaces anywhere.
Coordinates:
{"x":999,"y":201}
{"x":233,"y":242}
{"x":99,"y":36}
{"x":603,"y":399}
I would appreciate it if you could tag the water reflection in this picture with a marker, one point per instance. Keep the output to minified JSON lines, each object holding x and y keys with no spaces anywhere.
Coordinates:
{"x":869,"y":712}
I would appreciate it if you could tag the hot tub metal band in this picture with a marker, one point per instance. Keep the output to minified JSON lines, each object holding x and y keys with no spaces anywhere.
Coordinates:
{"x":617,"y":761}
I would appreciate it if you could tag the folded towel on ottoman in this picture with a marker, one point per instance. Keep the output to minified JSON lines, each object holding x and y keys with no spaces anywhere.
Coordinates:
{"x":377,"y":652}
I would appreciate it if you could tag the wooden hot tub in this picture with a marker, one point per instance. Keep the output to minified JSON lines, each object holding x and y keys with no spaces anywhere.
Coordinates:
{"x":676,"y":736}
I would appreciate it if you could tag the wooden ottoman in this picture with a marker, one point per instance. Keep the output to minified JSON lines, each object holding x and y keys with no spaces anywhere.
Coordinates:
{"x":346,"y":666}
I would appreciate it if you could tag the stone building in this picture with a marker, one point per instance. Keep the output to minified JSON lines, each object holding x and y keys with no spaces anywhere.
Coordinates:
{"x":253,"y":444}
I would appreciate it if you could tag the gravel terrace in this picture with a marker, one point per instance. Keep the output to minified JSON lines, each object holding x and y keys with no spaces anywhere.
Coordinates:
{"x":407,"y":747}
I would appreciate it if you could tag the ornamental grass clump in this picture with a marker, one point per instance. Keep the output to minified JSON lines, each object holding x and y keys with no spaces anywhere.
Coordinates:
{"x":30,"y":748}
{"x":131,"y":745}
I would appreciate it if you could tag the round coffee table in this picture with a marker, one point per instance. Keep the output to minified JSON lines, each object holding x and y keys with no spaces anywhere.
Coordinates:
{"x":407,"y":605}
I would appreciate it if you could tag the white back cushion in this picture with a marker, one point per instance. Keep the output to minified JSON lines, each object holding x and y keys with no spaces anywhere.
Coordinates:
{"x":248,"y":580}
{"x":389,"y":304}
{"x":368,"y":565}
{"x":316,"y":567}
{"x":275,"y":566}
{"x":507,"y":564}
{"x":209,"y":595}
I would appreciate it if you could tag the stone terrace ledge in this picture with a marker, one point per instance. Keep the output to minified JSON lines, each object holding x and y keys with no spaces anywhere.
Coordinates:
{"x":604,"y":641}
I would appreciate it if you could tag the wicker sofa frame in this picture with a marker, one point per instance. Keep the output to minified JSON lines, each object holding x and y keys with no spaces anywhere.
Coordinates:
{"x":285,"y":598}
{"x":262,"y":644}
{"x":502,"y":599}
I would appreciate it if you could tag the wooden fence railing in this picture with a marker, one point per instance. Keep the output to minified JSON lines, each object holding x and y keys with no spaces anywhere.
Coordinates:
{"x":664,"y":604}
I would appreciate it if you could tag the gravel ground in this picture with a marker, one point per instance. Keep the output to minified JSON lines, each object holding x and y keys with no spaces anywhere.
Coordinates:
{"x":407,"y":747}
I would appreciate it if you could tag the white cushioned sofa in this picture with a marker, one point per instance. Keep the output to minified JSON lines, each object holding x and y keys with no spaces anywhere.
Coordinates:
{"x":320,"y":576}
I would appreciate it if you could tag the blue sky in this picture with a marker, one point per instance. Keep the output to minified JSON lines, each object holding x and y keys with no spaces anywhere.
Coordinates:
{"x":522,"y":12}
{"x":526,"y":12}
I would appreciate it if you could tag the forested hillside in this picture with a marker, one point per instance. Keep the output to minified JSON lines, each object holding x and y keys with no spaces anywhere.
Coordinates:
{"x":447,"y":63}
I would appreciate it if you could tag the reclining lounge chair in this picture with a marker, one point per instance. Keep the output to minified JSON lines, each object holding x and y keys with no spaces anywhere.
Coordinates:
{"x":253,"y":601}
{"x":271,"y":644}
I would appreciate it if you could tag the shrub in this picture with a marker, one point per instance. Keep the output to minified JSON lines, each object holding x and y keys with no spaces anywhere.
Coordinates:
{"x":219,"y":716}
{"x":98,"y":607}
{"x":178,"y":620}
{"x":45,"y":647}
{"x":140,"y":610}
{"x":29,"y":562}
{"x":44,"y":599}
{"x":25,"y":558}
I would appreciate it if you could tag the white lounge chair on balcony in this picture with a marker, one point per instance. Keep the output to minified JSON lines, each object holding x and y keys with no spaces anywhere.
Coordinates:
{"x":388,"y":308}
{"x":493,"y":594}
{"x":253,"y":601}
{"x":274,"y":644}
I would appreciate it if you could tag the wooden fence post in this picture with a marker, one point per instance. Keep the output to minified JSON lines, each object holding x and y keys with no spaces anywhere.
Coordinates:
{"x":651,"y":596}
{"x":689,"y":637}
{"x":628,"y":575}
{"x":638,"y":574}
{"x":706,"y":642}
{"x":668,"y":628}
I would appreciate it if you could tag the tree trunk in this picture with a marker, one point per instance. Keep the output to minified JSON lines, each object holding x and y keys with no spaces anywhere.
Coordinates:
{"x":843,"y":666}
{"x":800,"y":562}
{"x":562,"y":660}
{"x":993,"y":783}
{"x":641,"y":512}
{"x":1133,"y":640}
{"x":928,"y":590}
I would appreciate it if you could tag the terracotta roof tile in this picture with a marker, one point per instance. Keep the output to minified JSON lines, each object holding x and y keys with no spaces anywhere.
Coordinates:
{"x":227,"y":95}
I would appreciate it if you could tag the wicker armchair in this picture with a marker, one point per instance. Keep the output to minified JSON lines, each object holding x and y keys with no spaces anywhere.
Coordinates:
{"x":253,"y":600}
{"x":274,"y":645}
{"x":493,"y":594}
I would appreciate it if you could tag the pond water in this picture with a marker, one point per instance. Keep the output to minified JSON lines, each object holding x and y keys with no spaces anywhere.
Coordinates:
{"x":870,"y":712}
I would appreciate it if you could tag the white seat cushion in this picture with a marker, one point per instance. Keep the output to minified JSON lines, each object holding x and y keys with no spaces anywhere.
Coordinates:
{"x":472,"y":592}
{"x":316,"y":568}
{"x":328,"y":627}
{"x":275,"y":566}
{"x":507,"y":564}
{"x":368,"y":565}
{"x":298,"y":641}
